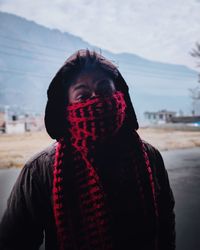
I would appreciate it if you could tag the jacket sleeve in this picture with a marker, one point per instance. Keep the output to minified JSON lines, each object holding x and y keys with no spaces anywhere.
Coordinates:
{"x":22,"y":226}
{"x":166,"y":203}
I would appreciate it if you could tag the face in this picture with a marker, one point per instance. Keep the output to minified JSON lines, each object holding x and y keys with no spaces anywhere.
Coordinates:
{"x":90,"y":84}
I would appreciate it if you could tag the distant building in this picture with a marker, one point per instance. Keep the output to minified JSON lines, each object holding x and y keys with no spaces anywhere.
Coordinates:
{"x":34,"y":123}
{"x":14,"y":127}
{"x":11,"y":122}
{"x":186,"y":119}
{"x":159,"y":117}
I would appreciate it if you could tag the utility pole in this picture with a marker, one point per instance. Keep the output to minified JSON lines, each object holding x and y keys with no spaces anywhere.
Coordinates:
{"x":195,"y":95}
{"x":195,"y":92}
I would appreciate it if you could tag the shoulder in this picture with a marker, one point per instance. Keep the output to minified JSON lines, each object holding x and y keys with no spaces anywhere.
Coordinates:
{"x":153,"y":153}
{"x":39,"y":167}
{"x":32,"y":187}
{"x":37,"y":172}
{"x":156,"y":161}
{"x":159,"y":170}
{"x":43,"y":157}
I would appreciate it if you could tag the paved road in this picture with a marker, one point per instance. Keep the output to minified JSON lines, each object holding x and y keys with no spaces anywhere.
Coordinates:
{"x":184,"y":172}
{"x":7,"y":179}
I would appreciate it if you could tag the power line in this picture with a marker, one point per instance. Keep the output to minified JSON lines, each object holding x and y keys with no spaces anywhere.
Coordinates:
{"x":143,"y":73}
{"x":147,"y":72}
{"x":23,"y":73}
{"x":134,"y":65}
{"x":139,"y":71}
{"x":45,"y":76}
{"x":155,"y":70}
{"x":26,"y":50}
{"x":35,"y":44}
{"x":28,"y":57}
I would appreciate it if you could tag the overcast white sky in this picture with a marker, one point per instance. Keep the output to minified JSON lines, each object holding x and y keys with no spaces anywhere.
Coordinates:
{"x":156,"y":29}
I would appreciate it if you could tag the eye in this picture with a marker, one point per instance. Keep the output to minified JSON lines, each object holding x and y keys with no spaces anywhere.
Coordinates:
{"x":82,"y":97}
{"x":105,"y":88}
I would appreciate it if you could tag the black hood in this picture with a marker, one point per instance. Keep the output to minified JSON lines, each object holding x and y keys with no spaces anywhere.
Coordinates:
{"x":55,"y":121}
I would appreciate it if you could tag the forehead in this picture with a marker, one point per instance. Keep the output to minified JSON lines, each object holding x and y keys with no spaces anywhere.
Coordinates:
{"x":91,"y":76}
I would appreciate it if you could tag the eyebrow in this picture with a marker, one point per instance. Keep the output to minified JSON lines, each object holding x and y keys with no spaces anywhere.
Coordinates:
{"x":83,"y":86}
{"x":103,"y":80}
{"x":80,"y":86}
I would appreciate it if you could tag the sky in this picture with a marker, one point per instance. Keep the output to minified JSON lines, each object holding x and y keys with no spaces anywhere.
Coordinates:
{"x":160,"y":30}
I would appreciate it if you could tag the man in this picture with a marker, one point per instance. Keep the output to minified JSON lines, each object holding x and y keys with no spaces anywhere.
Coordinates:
{"x":99,"y":186}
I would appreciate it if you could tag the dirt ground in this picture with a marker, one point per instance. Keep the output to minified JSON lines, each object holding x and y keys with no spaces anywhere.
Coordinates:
{"x":16,"y":149}
{"x":167,"y":139}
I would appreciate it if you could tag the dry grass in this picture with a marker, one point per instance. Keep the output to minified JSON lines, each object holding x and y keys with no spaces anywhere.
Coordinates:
{"x":15,"y":150}
{"x":166,"y":139}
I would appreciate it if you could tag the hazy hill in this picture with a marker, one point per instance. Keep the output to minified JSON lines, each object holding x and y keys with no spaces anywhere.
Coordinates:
{"x":30,"y":55}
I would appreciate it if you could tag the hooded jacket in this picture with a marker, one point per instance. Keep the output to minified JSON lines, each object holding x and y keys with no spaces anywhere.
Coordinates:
{"x":29,"y":218}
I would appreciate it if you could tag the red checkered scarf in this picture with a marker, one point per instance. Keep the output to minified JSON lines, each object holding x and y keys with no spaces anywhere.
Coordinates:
{"x":91,"y":121}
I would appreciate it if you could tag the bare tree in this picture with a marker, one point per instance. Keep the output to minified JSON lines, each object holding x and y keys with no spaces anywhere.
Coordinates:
{"x":195,"y":92}
{"x":196,"y":53}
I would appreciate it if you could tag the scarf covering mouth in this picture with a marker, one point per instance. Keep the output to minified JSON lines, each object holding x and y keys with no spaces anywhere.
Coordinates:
{"x":90,"y":121}
{"x":95,"y":119}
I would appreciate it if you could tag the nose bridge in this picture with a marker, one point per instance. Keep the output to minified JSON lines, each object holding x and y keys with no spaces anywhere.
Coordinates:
{"x":93,"y":90}
{"x":93,"y":94}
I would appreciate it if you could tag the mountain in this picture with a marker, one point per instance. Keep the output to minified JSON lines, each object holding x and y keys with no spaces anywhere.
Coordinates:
{"x":31,"y":54}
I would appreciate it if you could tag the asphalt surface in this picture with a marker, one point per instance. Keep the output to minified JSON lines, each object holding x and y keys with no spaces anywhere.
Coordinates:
{"x":184,"y":173}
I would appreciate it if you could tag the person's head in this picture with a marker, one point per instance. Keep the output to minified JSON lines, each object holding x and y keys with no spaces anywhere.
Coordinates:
{"x":88,"y":84}
{"x":85,"y":75}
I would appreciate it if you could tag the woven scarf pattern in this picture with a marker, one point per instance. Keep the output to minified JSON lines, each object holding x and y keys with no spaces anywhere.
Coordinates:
{"x":90,"y":122}
{"x":95,"y":119}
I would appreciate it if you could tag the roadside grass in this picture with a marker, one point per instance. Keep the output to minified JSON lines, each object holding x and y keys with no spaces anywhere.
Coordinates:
{"x":16,"y":149}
